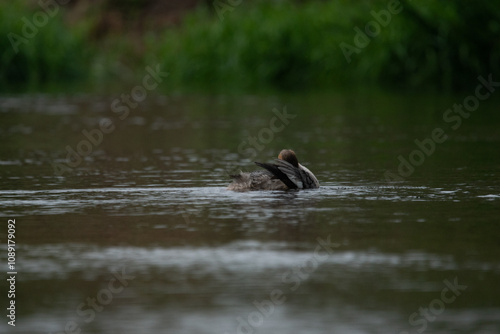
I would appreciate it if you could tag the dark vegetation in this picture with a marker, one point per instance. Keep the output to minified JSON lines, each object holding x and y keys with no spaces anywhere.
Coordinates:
{"x":254,"y":45}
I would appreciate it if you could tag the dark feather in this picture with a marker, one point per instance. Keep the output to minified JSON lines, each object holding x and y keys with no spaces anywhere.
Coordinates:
{"x":277,"y":173}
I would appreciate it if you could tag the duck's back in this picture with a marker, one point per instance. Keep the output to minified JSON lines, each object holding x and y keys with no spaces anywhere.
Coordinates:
{"x":255,"y":181}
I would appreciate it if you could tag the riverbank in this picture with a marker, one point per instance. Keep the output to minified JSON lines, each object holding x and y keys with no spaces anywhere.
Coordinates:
{"x":239,"y":46}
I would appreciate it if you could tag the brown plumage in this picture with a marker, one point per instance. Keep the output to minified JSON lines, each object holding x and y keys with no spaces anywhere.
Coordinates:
{"x":286,"y":173}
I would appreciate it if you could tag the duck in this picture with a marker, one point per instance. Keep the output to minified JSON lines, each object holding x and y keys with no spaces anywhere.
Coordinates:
{"x":284,"y":174}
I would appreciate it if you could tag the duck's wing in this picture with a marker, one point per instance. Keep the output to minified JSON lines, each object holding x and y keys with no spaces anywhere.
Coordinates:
{"x":292,"y":172}
{"x":302,"y":177}
{"x":287,"y":177}
{"x":310,"y":181}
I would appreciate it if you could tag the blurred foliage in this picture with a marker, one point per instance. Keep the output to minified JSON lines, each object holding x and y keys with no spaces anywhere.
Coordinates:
{"x":39,"y":50}
{"x":431,"y":45}
{"x":446,"y":44}
{"x":264,"y":45}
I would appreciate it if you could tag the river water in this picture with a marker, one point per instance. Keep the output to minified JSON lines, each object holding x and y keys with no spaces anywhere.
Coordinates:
{"x":133,"y":231}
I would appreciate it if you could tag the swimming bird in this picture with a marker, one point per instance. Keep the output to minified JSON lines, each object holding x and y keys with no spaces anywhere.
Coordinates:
{"x":286,"y":173}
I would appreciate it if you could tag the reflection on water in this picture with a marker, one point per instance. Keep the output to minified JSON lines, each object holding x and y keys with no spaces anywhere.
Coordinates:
{"x":233,"y":276}
{"x":192,"y":201}
{"x":144,"y":237}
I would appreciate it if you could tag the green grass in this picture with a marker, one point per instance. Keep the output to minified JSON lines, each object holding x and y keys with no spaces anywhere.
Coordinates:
{"x":52,"y":54}
{"x":441,"y":45}
{"x":260,"y":45}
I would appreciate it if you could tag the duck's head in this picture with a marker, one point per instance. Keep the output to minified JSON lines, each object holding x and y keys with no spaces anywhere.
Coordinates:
{"x":289,"y":156}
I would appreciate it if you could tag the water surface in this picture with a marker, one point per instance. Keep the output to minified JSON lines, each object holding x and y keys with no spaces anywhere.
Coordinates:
{"x":144,"y":226}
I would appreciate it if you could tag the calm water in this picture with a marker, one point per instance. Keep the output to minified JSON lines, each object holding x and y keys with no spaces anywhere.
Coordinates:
{"x":141,"y":236}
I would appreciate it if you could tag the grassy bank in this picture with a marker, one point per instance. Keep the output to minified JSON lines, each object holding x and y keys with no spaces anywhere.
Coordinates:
{"x":39,"y":50}
{"x":260,"y":45}
{"x":426,"y":44}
